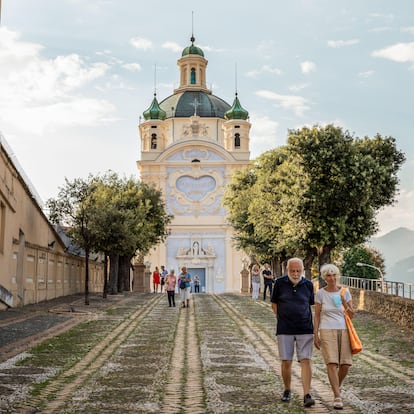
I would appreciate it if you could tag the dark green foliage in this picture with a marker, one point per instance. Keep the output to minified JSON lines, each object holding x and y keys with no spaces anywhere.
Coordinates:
{"x":320,"y":192}
{"x":113,"y":216}
{"x":362,"y":254}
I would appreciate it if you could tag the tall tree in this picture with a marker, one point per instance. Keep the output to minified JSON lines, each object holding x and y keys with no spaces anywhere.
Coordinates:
{"x":131,"y":217}
{"x":348,"y":180}
{"x":73,"y":208}
{"x":319,"y":192}
{"x":114,"y":216}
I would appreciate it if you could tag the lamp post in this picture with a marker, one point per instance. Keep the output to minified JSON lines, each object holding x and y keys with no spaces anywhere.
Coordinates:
{"x":359,"y":264}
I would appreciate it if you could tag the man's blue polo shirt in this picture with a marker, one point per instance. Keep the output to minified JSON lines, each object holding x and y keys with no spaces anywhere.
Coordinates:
{"x":294,"y":314}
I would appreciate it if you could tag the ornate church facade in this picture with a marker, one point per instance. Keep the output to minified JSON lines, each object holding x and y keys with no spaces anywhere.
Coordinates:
{"x":191,"y":142}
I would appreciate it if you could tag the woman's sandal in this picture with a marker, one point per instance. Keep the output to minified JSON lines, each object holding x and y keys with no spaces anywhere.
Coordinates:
{"x":338,"y":404}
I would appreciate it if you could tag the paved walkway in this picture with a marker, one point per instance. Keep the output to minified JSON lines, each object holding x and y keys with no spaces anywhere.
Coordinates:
{"x":133,"y":354}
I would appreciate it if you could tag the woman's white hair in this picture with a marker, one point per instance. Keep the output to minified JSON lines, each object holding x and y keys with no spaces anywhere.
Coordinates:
{"x":330,"y":269}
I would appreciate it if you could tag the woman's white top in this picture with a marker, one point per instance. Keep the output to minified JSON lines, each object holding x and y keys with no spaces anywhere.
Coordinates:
{"x":332,"y":311}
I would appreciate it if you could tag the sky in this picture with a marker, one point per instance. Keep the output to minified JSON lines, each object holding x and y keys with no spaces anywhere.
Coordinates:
{"x":76,"y":76}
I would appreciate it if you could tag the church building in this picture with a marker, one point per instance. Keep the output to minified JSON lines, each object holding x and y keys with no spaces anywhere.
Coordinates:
{"x":191,"y":142}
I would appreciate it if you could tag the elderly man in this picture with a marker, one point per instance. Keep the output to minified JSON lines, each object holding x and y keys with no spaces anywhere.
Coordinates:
{"x":291,"y":299}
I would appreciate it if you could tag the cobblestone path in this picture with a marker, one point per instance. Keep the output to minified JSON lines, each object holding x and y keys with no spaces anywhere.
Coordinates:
{"x":137,"y":355}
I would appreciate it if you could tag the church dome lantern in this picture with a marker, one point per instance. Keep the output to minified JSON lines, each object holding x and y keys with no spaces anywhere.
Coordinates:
{"x":192,"y":49}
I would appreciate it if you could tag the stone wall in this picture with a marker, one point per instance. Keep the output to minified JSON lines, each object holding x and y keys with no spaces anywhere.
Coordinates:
{"x":395,"y":308}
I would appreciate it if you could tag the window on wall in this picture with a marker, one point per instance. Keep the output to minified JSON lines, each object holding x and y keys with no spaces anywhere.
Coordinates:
{"x":2,"y":225}
{"x":153,"y":141}
{"x":193,"y":76}
{"x":237,"y":141}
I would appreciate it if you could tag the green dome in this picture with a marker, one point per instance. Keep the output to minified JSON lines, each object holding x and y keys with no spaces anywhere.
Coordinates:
{"x":189,"y":103}
{"x":192,"y":50}
{"x":154,"y":111}
{"x":236,"y":111}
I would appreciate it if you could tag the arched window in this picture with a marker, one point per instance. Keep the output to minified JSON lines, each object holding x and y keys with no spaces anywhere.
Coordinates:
{"x":153,"y":141}
{"x":237,"y":141}
{"x":193,"y":76}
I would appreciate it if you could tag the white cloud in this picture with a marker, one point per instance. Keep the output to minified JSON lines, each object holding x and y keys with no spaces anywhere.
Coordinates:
{"x":133,"y":67}
{"x":263,"y":135}
{"x":308,"y":67}
{"x":37,"y":79}
{"x":141,"y":43}
{"x":206,"y":48}
{"x":294,"y":103}
{"x":37,"y":93}
{"x":400,"y":215}
{"x":11,"y":47}
{"x":342,"y":43}
{"x":265,"y":48}
{"x":409,"y":30}
{"x":388,"y":18}
{"x":298,"y":87}
{"x":366,"y":74}
{"x":400,"y":52}
{"x":173,"y":47}
{"x":69,"y":113}
{"x":380,"y":29}
{"x":264,"y":69}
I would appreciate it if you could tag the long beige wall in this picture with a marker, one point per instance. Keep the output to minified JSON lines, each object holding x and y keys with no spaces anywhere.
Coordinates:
{"x":34,"y":265}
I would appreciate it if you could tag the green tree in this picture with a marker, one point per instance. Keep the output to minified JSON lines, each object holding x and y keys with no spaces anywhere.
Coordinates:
{"x":348,"y":180}
{"x":73,"y":208}
{"x":237,"y":198}
{"x":318,"y":193}
{"x":114,"y":216}
{"x":362,"y":254}
{"x":131,"y":216}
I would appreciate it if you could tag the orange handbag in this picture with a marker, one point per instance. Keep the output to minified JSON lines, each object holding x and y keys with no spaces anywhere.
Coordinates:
{"x":356,"y":344}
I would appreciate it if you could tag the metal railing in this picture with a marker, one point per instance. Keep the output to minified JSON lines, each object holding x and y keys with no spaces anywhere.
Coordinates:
{"x":402,"y":289}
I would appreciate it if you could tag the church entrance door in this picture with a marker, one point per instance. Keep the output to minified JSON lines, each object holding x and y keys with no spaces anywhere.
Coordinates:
{"x":201,"y":272}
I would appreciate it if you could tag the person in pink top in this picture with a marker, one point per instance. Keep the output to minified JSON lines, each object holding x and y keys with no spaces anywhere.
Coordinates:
{"x":170,"y":282}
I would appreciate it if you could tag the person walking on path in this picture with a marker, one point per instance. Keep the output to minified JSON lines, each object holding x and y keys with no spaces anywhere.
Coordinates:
{"x":196,"y":284}
{"x":170,"y":282}
{"x":330,"y":332}
{"x":291,"y":299}
{"x":185,"y":287}
{"x":267,"y":280}
{"x":255,"y":279}
{"x":156,"y":279}
{"x":164,"y":273}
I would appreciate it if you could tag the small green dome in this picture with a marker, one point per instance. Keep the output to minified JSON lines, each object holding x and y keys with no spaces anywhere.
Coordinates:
{"x":236,"y":111}
{"x":192,"y":50}
{"x":154,"y":111}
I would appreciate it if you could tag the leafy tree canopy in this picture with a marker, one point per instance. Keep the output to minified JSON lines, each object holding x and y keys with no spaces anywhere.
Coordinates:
{"x":319,"y":192}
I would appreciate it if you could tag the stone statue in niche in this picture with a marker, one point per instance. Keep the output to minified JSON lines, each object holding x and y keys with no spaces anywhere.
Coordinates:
{"x":196,"y":249}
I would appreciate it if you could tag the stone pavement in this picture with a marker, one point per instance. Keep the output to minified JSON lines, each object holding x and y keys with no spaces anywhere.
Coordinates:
{"x":133,"y":354}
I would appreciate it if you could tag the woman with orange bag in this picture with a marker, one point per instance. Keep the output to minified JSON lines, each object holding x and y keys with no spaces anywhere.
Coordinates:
{"x":330,"y":331}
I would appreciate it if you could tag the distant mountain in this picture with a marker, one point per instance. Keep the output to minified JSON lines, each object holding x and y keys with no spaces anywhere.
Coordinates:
{"x":397,"y":248}
{"x":403,"y":271}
